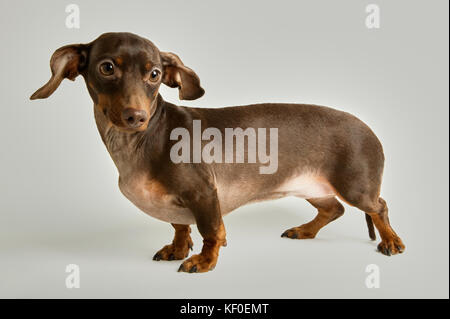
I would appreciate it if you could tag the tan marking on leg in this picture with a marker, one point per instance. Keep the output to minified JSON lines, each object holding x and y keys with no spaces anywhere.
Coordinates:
{"x":391,"y":243}
{"x":179,"y":249}
{"x":207,"y":259}
{"x":329,"y":209}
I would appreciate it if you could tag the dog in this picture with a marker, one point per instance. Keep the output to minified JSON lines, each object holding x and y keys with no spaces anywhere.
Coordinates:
{"x":323,"y":154}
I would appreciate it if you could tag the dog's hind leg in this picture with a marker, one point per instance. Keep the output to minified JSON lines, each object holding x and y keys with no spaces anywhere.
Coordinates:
{"x":391,"y":243}
{"x":329,"y":209}
{"x":365,"y":195}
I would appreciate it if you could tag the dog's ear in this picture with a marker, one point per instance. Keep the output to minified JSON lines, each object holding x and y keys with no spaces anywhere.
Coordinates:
{"x":66,"y":62}
{"x":176,"y":74}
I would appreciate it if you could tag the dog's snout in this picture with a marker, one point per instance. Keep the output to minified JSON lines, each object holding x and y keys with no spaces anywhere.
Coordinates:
{"x":134,"y":118}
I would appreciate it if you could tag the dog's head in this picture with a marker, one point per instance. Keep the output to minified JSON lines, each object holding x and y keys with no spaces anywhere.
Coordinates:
{"x":123,"y":73}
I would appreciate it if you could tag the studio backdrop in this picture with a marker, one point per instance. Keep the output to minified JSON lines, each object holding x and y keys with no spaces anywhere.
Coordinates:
{"x":67,"y":231}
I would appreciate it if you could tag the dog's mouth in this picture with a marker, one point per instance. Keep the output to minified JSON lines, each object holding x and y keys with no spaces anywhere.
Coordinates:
{"x":130,"y":129}
{"x":135,"y":130}
{"x":128,"y":120}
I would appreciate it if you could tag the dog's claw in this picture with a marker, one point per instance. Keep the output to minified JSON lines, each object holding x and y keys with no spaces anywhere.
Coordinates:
{"x":301,"y":232}
{"x":385,"y":251}
{"x":193,"y":269}
{"x":171,"y":257}
{"x":157,"y":257}
{"x":391,"y":246}
{"x":198,"y":264}
{"x":293,"y":236}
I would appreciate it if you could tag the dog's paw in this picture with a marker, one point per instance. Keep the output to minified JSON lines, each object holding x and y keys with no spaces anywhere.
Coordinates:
{"x":172,"y":252}
{"x":298,"y":233}
{"x":198,"y":263}
{"x":392,"y":246}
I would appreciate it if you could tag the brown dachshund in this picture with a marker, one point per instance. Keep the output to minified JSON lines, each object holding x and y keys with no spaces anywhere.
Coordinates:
{"x":321,"y":154}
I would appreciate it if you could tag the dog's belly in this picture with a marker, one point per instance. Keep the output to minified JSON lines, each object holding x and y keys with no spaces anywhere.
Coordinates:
{"x":151,"y":198}
{"x":307,"y":186}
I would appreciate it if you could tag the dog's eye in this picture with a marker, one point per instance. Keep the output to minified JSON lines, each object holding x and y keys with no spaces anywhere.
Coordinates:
{"x":154,"y":75}
{"x":107,"y":68}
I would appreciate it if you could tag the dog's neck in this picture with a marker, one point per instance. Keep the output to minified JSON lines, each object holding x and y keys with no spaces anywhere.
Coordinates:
{"x":129,"y":150}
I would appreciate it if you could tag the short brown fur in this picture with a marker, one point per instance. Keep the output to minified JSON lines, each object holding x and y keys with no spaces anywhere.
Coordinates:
{"x":334,"y":149}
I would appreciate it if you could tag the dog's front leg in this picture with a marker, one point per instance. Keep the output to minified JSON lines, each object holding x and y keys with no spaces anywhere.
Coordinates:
{"x":206,"y":210}
{"x":179,"y":249}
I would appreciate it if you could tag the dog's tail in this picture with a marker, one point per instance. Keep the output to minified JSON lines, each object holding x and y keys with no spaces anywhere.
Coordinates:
{"x":370,"y":226}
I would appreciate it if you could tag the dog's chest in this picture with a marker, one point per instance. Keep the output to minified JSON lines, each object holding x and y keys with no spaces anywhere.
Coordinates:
{"x":152,"y":198}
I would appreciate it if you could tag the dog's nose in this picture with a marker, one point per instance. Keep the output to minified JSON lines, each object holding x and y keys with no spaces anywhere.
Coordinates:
{"x":134,"y":118}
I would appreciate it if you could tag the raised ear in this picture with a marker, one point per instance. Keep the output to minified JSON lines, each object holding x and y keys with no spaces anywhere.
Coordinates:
{"x":66,"y":62}
{"x":176,"y":74}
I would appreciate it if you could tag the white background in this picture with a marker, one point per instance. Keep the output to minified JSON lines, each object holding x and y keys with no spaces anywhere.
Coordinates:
{"x":60,"y":203}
